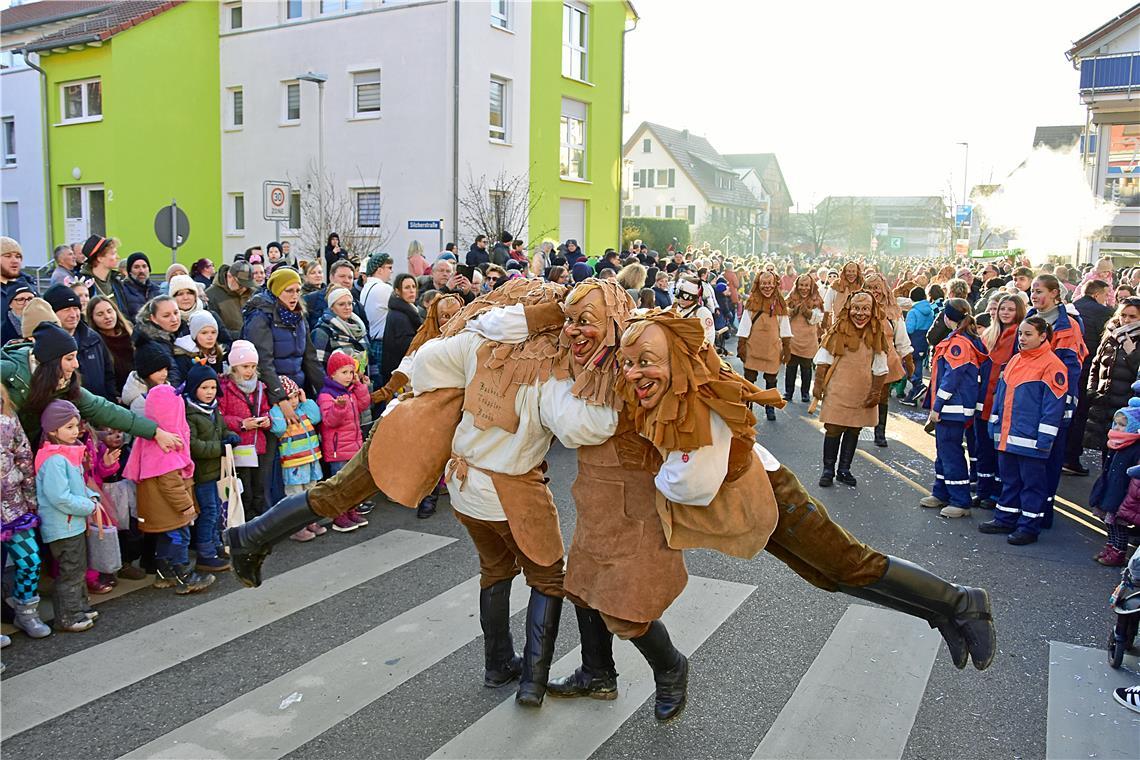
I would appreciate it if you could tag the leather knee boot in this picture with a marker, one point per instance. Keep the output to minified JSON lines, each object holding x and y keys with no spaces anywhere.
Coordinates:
{"x":670,"y":670}
{"x":830,"y":454}
{"x":962,"y":614}
{"x":542,"y":616}
{"x":250,"y":543}
{"x":501,"y":664}
{"x":848,"y":443}
{"x":597,"y":678}
{"x":881,"y":428}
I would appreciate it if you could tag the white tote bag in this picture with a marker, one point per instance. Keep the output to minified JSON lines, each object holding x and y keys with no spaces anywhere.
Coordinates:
{"x":229,"y":490}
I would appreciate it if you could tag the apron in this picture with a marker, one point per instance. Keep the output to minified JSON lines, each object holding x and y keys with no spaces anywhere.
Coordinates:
{"x":805,"y":337}
{"x":847,"y":390}
{"x":764,"y":346}
{"x":430,"y":420}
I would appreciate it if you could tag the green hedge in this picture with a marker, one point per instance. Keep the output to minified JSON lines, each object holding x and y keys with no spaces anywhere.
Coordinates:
{"x":655,"y":233}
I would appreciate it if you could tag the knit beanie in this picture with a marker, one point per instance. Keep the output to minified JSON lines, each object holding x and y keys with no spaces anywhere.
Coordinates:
{"x":917,"y":294}
{"x":52,"y":342}
{"x":137,"y":256}
{"x":282,"y":278}
{"x":37,"y":312}
{"x":200,"y":321}
{"x":150,"y":358}
{"x":339,"y":359}
{"x":57,"y":414}
{"x":289,"y":386}
{"x":61,"y":297}
{"x":375,"y":261}
{"x":1132,"y":414}
{"x":197,"y":375}
{"x":580,"y":271}
{"x":180,"y":282}
{"x":242,"y":352}
{"x":336,"y":294}
{"x":9,"y":245}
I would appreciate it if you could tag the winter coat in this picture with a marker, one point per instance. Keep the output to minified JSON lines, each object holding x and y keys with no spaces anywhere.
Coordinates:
{"x":226,"y":305}
{"x":135,"y":294}
{"x":282,"y":350}
{"x":17,"y":481}
{"x":1069,"y":346}
{"x":97,"y":368}
{"x":1129,"y":509}
{"x":340,"y":423}
{"x":208,"y":434}
{"x":1029,"y":403}
{"x":298,"y":444}
{"x":134,"y":394}
{"x":147,"y":332}
{"x":98,"y":411}
{"x":316,"y":304}
{"x":500,"y":254}
{"x":477,"y":256}
{"x":333,"y":334}
{"x":187,"y":353}
{"x":959,"y":370}
{"x":1094,"y":317}
{"x":920,"y":318}
{"x":148,"y":460}
{"x":1111,"y":487}
{"x":63,"y":498}
{"x":401,"y":326}
{"x":1115,"y":366}
{"x":114,"y":287}
{"x":663,"y":299}
{"x":234,"y":406}
{"x":7,"y":290}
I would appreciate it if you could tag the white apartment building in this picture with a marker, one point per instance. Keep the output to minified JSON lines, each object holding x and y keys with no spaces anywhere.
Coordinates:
{"x":393,"y":119}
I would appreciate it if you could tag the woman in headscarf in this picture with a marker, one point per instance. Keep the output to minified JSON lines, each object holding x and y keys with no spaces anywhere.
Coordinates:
{"x":764,"y":338}
{"x":900,"y":354}
{"x":805,"y":314}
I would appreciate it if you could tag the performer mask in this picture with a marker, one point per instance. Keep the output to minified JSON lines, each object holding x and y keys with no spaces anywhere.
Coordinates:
{"x":447,"y":309}
{"x":860,"y":308}
{"x":851,"y":272}
{"x":585,"y":328}
{"x":767,"y":284}
{"x":645,"y":362}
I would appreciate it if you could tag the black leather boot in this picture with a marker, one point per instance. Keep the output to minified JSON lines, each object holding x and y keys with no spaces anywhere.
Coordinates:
{"x":597,"y":678}
{"x":770,"y":412}
{"x":426,"y":507}
{"x":881,"y":428}
{"x":670,"y":670}
{"x":542,"y":616}
{"x":251,"y":542}
{"x":955,"y":642}
{"x":848,"y":443}
{"x":962,"y":611}
{"x":501,"y":664}
{"x":830,"y":454}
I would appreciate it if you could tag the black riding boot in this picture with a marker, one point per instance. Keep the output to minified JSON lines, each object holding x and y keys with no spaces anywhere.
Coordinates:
{"x":501,"y":664}
{"x":542,"y":616}
{"x":962,"y":614}
{"x":670,"y":670}
{"x":250,"y":543}
{"x":830,"y":453}
{"x":881,"y":428}
{"x":849,"y":442}
{"x":597,"y":678}
{"x":427,"y":506}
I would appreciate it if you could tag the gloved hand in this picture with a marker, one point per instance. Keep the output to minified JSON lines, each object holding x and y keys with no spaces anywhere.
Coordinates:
{"x":742,"y":349}
{"x":878,"y":382}
{"x":233,"y":439}
{"x":820,"y":386}
{"x":786,"y":350}
{"x":908,"y":365}
{"x":381,"y":395}
{"x":397,"y":381}
{"x":543,"y":317}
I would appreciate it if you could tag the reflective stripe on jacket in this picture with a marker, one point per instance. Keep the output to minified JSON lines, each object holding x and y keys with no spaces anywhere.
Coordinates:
{"x":1029,"y":403}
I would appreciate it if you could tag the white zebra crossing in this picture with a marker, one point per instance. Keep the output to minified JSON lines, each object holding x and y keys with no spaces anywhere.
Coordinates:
{"x":32,"y":698}
{"x":1084,"y":720}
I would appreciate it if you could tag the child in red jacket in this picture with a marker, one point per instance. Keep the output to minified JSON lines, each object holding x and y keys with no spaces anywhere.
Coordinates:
{"x":342,"y":400}
{"x":245,"y":409}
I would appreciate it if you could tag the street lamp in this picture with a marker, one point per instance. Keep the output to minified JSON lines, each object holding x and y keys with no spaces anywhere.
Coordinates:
{"x":320,"y":79}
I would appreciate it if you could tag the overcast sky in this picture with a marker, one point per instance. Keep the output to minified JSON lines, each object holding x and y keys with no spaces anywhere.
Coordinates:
{"x":862,"y":98}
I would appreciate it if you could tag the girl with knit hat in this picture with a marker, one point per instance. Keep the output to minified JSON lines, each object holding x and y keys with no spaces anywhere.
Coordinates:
{"x":1112,"y":486}
{"x":209,"y":436}
{"x":244,"y":405}
{"x":200,"y":346}
{"x":299,"y":448}
{"x":342,"y":400}
{"x":64,"y":502}
{"x":185,"y":291}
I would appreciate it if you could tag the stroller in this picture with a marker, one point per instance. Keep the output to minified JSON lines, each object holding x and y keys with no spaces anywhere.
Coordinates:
{"x":1125,"y":603}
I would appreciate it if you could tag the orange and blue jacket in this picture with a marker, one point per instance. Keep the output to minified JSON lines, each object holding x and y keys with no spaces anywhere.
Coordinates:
{"x":1068,"y":343}
{"x":960,"y":370}
{"x":1029,"y":403}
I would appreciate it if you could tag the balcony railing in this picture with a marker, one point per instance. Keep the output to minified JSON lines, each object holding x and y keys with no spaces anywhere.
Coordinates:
{"x":1110,"y":73}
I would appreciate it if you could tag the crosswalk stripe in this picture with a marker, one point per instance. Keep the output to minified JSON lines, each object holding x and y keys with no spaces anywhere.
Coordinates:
{"x":35,"y":697}
{"x":861,"y":694}
{"x":1083,"y":719}
{"x":282,"y":715}
{"x":575,"y":728}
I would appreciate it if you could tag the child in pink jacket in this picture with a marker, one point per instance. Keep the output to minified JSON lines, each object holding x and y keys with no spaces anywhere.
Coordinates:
{"x":342,"y":400}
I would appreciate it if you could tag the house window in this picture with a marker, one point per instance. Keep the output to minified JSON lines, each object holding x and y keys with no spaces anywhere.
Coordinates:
{"x":237,"y":201}
{"x":666,"y":177}
{"x":498,"y":200}
{"x":657,"y":211}
{"x":500,"y":14}
{"x":572,"y":161}
{"x":295,"y":210}
{"x":692,"y":214}
{"x":237,"y":107}
{"x":9,"y":141}
{"x":366,"y":92}
{"x":646,"y":145}
{"x":12,"y":219}
{"x":498,"y":109}
{"x":235,"y":16}
{"x":368,"y":207}
{"x":292,"y":9}
{"x":637,"y":179}
{"x":649,"y":175}
{"x":669,"y":212}
{"x":292,"y":101}
{"x":340,"y":6}
{"x":575,"y":20}
{"x":82,"y":101}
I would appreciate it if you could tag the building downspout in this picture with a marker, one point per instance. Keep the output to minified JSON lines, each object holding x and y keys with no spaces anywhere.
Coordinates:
{"x":47,"y":151}
{"x":455,"y":133}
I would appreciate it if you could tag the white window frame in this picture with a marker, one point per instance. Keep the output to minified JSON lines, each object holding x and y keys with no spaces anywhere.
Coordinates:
{"x":577,"y":111}
{"x":285,"y":11}
{"x":285,"y":120}
{"x":352,"y":74}
{"x":10,"y":157}
{"x":87,"y":117}
{"x":295,"y":198}
{"x":504,"y":137}
{"x":356,"y":193}
{"x":230,"y":8}
{"x":501,"y":13}
{"x":232,"y":216}
{"x":646,"y":145}
{"x":231,"y":108}
{"x":7,"y":229}
{"x":335,"y":7}
{"x":582,"y":47}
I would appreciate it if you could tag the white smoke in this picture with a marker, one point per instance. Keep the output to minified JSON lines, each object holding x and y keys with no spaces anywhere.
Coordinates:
{"x":1048,"y":206}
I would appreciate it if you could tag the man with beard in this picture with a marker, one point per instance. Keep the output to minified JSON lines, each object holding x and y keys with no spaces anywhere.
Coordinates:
{"x":138,"y":289}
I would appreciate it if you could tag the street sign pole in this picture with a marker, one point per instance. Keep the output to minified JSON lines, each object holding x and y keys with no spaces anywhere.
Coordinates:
{"x":174,"y":230}
{"x":440,"y":249}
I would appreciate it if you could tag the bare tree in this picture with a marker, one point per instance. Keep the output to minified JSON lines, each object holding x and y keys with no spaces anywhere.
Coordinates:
{"x":355,"y":214}
{"x":819,"y":226}
{"x":505,"y":202}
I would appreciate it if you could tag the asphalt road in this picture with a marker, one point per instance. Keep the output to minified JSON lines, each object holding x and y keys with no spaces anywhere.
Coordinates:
{"x":386,"y":662}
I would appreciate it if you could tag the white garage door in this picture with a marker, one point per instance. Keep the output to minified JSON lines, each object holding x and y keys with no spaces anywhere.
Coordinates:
{"x":572,"y":220}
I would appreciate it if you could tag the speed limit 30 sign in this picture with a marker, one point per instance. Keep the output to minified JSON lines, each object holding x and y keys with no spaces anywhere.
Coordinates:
{"x":276,"y":200}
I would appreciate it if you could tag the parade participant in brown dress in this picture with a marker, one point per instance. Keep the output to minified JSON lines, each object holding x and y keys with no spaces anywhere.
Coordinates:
{"x":764,"y":339}
{"x":439,"y":312}
{"x":805,"y":313}
{"x":850,"y":374}
{"x":850,"y":281}
{"x":716,"y":482}
{"x":900,"y":352}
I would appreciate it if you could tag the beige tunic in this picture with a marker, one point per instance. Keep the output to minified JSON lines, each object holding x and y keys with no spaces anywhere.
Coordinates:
{"x":805,"y":335}
{"x":848,"y":387}
{"x":764,"y":334}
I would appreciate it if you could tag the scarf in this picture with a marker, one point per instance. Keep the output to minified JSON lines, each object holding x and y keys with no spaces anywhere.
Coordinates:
{"x":207,"y":409}
{"x":246,"y":386}
{"x":289,"y":318}
{"x":187,"y":314}
{"x":1118,"y":439}
{"x":353,"y":328}
{"x":333,"y":388}
{"x":1125,"y":336}
{"x":1050,"y":315}
{"x":73,"y":453}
